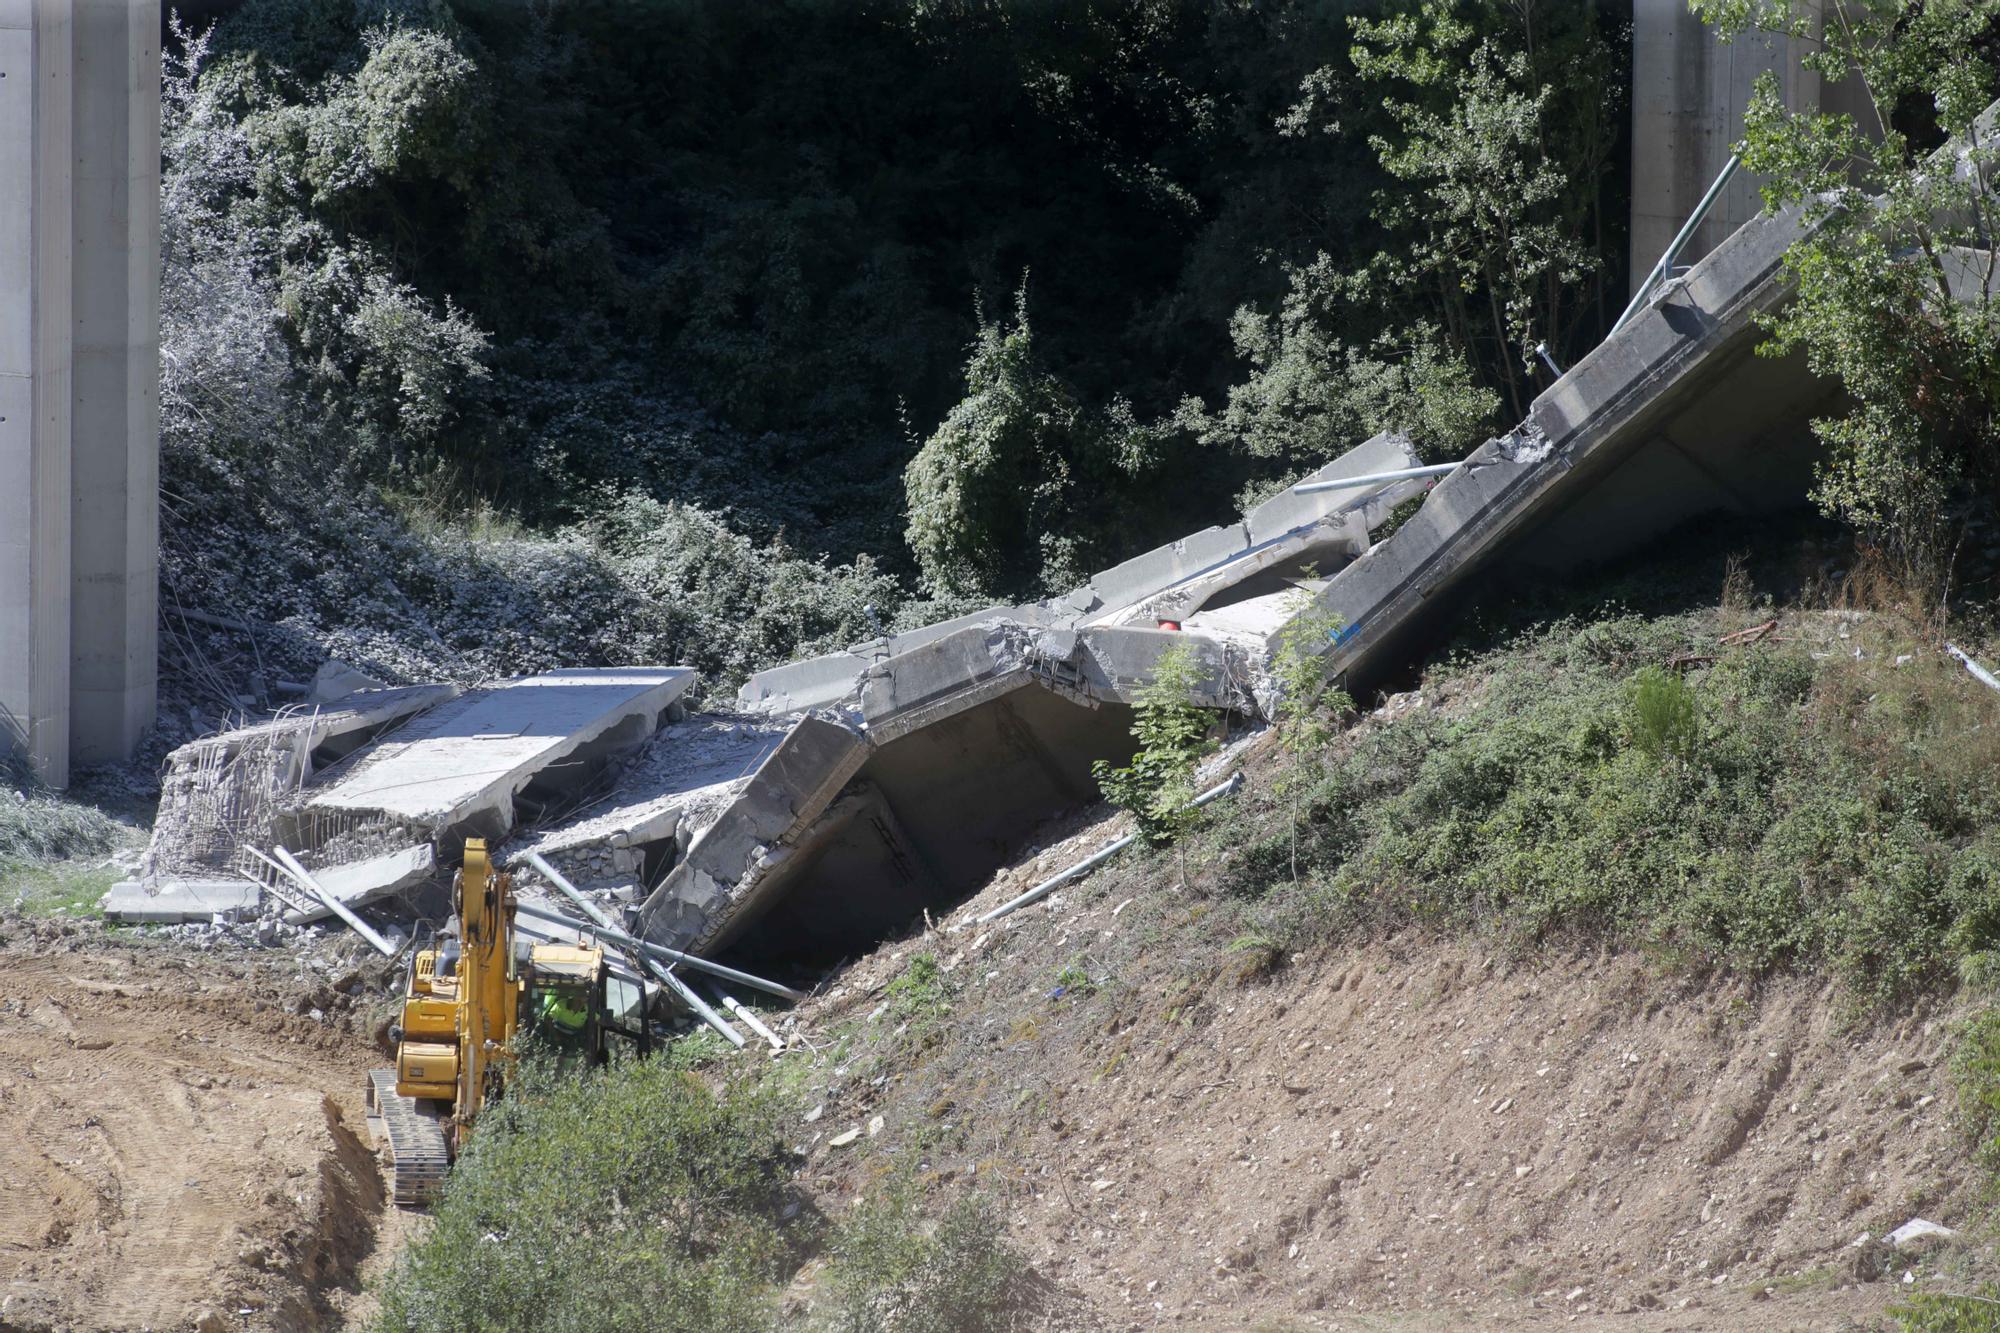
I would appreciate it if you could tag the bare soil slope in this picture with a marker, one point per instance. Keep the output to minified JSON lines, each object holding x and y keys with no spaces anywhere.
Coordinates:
{"x":1415,"y":1133}
{"x":179,"y":1143}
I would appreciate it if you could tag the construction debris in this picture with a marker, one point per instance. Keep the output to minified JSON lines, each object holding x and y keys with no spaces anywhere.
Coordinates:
{"x":471,"y":767}
{"x":177,"y":901}
{"x":360,"y":883}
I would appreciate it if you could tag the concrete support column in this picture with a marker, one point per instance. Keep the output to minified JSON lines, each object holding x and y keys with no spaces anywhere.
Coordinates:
{"x":115,"y":426}
{"x":1689,"y":93}
{"x":36,"y":59}
{"x":79,"y":377}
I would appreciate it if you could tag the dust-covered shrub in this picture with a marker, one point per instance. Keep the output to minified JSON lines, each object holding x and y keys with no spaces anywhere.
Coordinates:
{"x":39,"y":825}
{"x":995,"y":493}
{"x":305,"y":390}
{"x":635,"y":1198}
{"x":894,"y":1270}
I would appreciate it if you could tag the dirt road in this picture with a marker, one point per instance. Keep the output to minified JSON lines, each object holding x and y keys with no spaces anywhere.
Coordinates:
{"x":180,"y":1145}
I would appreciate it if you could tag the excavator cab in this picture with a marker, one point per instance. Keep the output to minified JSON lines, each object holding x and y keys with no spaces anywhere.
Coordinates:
{"x":563,"y":1003}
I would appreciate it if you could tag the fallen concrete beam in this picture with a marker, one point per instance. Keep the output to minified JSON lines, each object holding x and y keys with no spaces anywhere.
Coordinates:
{"x":461,"y":768}
{"x":174,"y":901}
{"x":1618,"y":409}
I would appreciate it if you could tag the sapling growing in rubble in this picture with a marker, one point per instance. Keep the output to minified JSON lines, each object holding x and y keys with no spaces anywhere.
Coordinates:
{"x":1158,"y":785}
{"x":1309,"y":707}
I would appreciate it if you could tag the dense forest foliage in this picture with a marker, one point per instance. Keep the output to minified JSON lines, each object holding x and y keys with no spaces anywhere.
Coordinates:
{"x":921,"y":302}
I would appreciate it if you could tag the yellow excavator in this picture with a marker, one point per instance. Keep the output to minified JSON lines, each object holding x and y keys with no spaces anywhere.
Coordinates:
{"x":464,"y":1001}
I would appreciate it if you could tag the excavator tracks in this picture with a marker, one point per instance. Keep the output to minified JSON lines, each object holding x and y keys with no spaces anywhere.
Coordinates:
{"x":418,"y":1151}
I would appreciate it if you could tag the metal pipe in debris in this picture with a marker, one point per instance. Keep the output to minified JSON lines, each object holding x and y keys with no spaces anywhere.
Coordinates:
{"x":1979,"y":673}
{"x":340,"y":909}
{"x":1056,"y":881}
{"x":666,"y":978}
{"x":749,"y":1017}
{"x":665,"y":954}
{"x":1372,"y":478}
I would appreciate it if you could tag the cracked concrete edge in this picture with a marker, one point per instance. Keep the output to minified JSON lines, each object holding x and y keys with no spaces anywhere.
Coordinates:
{"x":788,"y":791}
{"x":1605,"y":401}
{"x":490,"y":811}
{"x":359,"y":883}
{"x":838,"y":678}
{"x":342,"y":718}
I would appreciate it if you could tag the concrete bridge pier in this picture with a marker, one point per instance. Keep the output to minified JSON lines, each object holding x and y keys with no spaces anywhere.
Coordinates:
{"x":1689,"y":95}
{"x":79,"y":377}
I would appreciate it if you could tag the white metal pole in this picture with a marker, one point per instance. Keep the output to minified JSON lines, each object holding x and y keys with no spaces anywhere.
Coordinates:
{"x":667,"y":978}
{"x":340,"y":909}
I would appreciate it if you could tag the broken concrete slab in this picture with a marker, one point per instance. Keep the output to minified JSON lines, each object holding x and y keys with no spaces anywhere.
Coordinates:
{"x":335,"y":680}
{"x":224,"y":790}
{"x":789,"y":790}
{"x":359,"y":883}
{"x":1163,"y":566}
{"x":170,"y":902}
{"x":461,"y":769}
{"x":671,"y":785}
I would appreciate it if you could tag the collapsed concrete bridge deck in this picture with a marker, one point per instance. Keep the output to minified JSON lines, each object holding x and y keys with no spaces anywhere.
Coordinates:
{"x":916,"y":759}
{"x":850,"y":792}
{"x":853,"y":791}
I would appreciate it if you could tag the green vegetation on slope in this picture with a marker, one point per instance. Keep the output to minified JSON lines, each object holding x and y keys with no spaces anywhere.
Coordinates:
{"x":1654,"y":772}
{"x":1775,"y":803}
{"x":640,"y":1197}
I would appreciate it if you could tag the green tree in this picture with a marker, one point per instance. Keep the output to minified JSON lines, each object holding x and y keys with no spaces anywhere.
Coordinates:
{"x":991,"y":491}
{"x":1158,"y":785}
{"x":1896,"y":275}
{"x":1485,"y":208}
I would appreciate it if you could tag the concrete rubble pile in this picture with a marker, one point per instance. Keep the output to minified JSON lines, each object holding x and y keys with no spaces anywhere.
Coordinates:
{"x":844,"y":764}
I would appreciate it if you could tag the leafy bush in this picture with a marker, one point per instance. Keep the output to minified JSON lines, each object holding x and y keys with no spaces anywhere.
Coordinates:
{"x":1308,"y":705}
{"x":636,"y":1198}
{"x":1158,"y":784}
{"x":1664,"y":719}
{"x":1942,"y":1312}
{"x":997,"y":493}
{"x":1975,"y":1069}
{"x":893,"y":1271}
